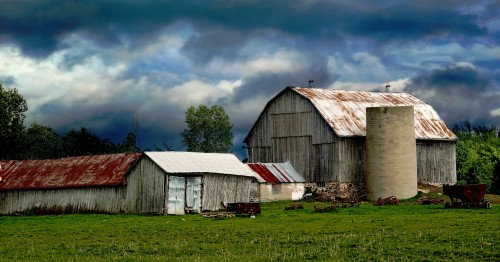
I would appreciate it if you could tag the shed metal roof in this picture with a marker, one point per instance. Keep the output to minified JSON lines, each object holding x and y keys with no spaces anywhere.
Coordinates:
{"x":276,"y":172}
{"x":194,"y":162}
{"x":345,"y":111}
{"x":81,"y":171}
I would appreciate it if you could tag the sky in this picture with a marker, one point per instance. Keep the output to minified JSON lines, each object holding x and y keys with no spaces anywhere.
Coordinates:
{"x":97,"y":64}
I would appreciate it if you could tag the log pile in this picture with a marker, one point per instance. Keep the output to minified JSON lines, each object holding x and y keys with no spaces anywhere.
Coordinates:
{"x":326,"y":209}
{"x":294,"y":207}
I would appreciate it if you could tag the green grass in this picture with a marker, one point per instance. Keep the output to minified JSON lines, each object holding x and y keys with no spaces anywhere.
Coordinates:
{"x":403,"y":233}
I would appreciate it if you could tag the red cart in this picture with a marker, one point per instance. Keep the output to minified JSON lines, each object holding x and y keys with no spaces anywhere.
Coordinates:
{"x":466,"y":196}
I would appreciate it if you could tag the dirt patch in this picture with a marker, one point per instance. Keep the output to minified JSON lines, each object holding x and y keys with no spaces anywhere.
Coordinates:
{"x":428,"y":188}
{"x":494,"y":199}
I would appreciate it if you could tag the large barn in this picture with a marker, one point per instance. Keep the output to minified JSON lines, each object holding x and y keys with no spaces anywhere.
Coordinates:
{"x":66,"y":185}
{"x":186,"y":182}
{"x":322,"y":133}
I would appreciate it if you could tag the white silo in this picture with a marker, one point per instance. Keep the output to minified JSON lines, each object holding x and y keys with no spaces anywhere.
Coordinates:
{"x":391,"y":158}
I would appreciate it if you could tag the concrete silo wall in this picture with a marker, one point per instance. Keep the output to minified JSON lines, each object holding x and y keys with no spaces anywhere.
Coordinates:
{"x":391,"y":161}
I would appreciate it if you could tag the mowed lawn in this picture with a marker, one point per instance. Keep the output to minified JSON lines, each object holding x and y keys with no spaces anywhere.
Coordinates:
{"x":407,"y":232}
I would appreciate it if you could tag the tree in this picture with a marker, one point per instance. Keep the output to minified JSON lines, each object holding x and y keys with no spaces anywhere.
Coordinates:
{"x":209,"y":130}
{"x":478,"y":155}
{"x":42,"y":143}
{"x":129,"y":144}
{"x":82,"y":143}
{"x":12,"y":109}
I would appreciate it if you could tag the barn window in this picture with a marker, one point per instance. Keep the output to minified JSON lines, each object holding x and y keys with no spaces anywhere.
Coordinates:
{"x":276,"y":188}
{"x":321,"y":184}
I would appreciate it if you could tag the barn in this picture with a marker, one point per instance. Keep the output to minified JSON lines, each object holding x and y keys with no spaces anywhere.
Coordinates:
{"x":277,"y":181}
{"x":66,"y":185}
{"x":322,"y":133}
{"x":186,"y":182}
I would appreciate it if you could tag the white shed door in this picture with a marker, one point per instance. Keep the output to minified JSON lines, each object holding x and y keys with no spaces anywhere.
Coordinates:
{"x":193,"y":194}
{"x":176,"y":195}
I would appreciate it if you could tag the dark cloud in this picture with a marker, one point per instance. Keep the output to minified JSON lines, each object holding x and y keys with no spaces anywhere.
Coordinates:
{"x":459,"y":93}
{"x":38,"y":26}
{"x":463,"y":78}
{"x":204,"y":47}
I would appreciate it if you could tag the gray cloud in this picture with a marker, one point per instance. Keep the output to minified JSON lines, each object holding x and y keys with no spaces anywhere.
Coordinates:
{"x":38,"y":26}
{"x":459,"y":93}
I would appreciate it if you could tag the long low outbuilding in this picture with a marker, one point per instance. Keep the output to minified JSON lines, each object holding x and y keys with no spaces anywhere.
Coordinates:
{"x":151,"y":182}
{"x":66,"y":185}
{"x":277,"y":181}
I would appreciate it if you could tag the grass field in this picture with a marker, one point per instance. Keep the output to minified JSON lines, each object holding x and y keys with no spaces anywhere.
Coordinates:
{"x":407,"y":232}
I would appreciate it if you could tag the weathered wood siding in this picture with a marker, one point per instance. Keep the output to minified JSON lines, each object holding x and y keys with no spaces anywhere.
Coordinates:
{"x":146,"y":188}
{"x":84,"y":199}
{"x":436,"y":162}
{"x":291,"y":129}
{"x":218,"y":188}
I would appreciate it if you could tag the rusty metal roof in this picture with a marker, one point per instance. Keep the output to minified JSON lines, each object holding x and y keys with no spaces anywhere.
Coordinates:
{"x":276,"y":172}
{"x":82,"y":171}
{"x":345,"y":111}
{"x":194,"y":162}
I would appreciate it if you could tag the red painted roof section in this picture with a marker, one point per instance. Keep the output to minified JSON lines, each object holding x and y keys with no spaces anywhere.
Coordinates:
{"x":276,"y":172}
{"x":82,"y":171}
{"x":264,"y":173}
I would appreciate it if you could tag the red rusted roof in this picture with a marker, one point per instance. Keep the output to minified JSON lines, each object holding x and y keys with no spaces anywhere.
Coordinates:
{"x":345,"y":111}
{"x":82,"y":171}
{"x":276,"y":172}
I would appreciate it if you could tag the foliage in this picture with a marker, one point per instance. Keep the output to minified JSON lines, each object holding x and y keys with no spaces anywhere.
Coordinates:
{"x":82,"y":143}
{"x":42,"y":143}
{"x":478,"y":155}
{"x":12,"y":109}
{"x":388,"y":233}
{"x":129,"y":144}
{"x":209,"y":130}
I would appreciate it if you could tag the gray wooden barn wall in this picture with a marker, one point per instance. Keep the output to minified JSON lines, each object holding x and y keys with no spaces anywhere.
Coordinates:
{"x":436,"y":162}
{"x":80,"y":199}
{"x":146,"y":188}
{"x":224,"y":188}
{"x":291,"y":129}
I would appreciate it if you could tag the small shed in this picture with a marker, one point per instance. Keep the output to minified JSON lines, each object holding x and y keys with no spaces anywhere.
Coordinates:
{"x":278,"y":181}
{"x":73,"y":184}
{"x":186,"y":182}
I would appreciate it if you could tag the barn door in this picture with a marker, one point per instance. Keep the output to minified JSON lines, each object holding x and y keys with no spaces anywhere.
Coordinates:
{"x":193,"y":194}
{"x":176,"y":195}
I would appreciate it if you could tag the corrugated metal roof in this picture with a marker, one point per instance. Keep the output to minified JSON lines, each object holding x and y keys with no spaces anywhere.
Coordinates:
{"x":345,"y":111}
{"x":276,"y":172}
{"x":193,"y":162}
{"x":82,"y":171}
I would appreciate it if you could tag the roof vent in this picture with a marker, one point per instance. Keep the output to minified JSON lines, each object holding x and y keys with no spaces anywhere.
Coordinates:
{"x":311,"y":83}
{"x":387,"y":86}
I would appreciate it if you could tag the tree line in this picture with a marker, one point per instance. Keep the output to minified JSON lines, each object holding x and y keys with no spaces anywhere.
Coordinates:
{"x":478,"y":155}
{"x":209,"y":130}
